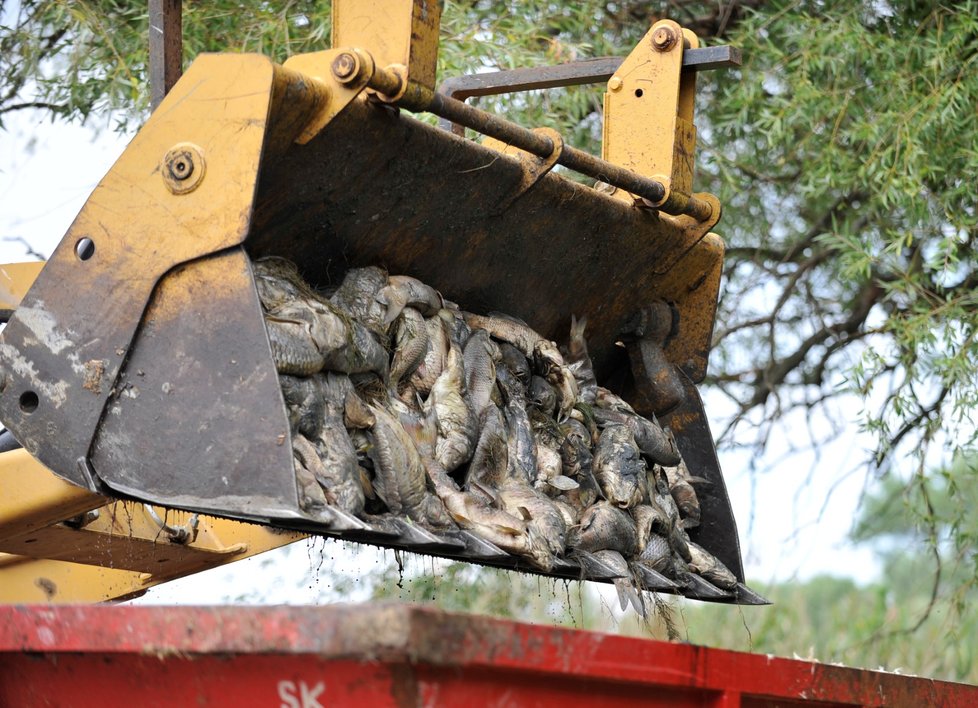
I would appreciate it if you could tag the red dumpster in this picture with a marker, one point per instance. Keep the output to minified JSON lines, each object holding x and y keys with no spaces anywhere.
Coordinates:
{"x":398,"y":655}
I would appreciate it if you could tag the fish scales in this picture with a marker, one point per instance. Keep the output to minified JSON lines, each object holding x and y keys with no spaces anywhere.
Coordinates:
{"x":410,"y":345}
{"x":457,"y":425}
{"x":619,"y":468}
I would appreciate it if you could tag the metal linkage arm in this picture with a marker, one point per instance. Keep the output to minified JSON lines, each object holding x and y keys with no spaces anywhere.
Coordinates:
{"x":575,"y":73}
{"x":351,"y":66}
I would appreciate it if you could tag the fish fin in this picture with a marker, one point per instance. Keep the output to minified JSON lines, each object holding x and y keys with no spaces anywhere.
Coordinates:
{"x":564,"y":483}
{"x":628,"y":589}
{"x":356,"y":413}
{"x":638,"y":603}
{"x":366,"y":483}
{"x":488,"y":491}
{"x":623,"y":586}
{"x":511,"y":530}
{"x":459,"y":517}
{"x":577,"y":328}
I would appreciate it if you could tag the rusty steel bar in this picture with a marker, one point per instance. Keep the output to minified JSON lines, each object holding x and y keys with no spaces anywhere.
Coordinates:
{"x":587,"y":71}
{"x":383,"y":80}
{"x":542,"y":146}
{"x":165,"y":48}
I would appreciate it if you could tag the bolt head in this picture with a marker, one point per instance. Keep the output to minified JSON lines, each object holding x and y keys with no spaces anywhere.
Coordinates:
{"x":663,"y":39}
{"x":182,"y":168}
{"x":615,"y":84}
{"x":181,"y":165}
{"x":345,"y":66}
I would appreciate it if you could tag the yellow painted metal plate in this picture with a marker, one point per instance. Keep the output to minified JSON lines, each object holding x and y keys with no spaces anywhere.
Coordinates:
{"x":120,"y":554}
{"x":15,"y":280}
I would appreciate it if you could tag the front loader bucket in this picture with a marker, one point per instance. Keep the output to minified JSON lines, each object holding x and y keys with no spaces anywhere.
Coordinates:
{"x":138,"y":364}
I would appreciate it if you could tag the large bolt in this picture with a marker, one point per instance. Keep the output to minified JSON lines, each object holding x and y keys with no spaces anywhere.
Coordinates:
{"x":345,"y":67}
{"x":615,"y":84}
{"x":663,"y":39}
{"x":182,"y":170}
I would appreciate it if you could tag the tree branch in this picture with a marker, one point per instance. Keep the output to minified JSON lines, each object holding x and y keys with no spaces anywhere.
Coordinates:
{"x":53,"y":107}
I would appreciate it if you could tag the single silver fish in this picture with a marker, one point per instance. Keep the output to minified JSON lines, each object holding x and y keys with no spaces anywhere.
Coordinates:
{"x":537,"y":510}
{"x":507,"y":329}
{"x":480,"y":371}
{"x":681,"y":488}
{"x":572,"y":516}
{"x":278,"y":283}
{"x":339,"y":474}
{"x":420,"y":426}
{"x":657,"y":539}
{"x":295,"y":349}
{"x":575,"y":429}
{"x":400,"y":477}
{"x":410,"y":344}
{"x":365,"y":466}
{"x":304,"y":403}
{"x":304,"y":456}
{"x":436,"y":514}
{"x":357,"y":297}
{"x":549,"y":362}
{"x":499,"y":527}
{"x":610,"y":401}
{"x":404,"y":291}
{"x":655,"y":443}
{"x":584,"y":414}
{"x":457,"y":425}
{"x":658,"y":555}
{"x":421,"y":381}
{"x":550,"y":478}
{"x":357,"y":414}
{"x":516,"y":362}
{"x":522,"y":459}
{"x":659,"y":494}
{"x":542,"y":395}
{"x":489,"y":466}
{"x":605,"y":527}
{"x":708,"y":566}
{"x":456,"y":328}
{"x":644,"y":517}
{"x":619,"y":468}
{"x":576,"y":463}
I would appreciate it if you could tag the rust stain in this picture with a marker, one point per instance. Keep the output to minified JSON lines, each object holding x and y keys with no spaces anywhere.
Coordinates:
{"x":94,"y":371}
{"x":404,"y":686}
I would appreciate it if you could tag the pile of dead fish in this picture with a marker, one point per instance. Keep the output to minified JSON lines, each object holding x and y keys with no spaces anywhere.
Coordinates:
{"x":404,"y":407}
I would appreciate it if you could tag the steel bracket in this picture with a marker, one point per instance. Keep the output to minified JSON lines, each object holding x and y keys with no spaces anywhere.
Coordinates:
{"x":533,"y":167}
{"x":648,"y":114}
